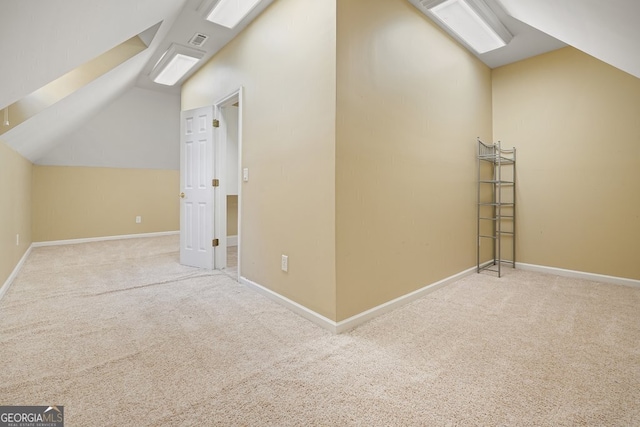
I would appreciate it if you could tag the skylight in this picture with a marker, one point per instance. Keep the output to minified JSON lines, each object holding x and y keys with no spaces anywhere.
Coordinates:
{"x":175,"y":64}
{"x":229,"y":13}
{"x":470,"y":26}
{"x":177,"y":67}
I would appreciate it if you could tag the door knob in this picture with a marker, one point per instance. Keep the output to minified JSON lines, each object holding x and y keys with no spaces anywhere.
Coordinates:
{"x":182,"y":195}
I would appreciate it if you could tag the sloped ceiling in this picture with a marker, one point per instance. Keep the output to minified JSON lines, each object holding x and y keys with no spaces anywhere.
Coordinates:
{"x":41,"y":41}
{"x":36,"y":136}
{"x":40,"y":44}
{"x":608,"y":30}
{"x":527,"y":41}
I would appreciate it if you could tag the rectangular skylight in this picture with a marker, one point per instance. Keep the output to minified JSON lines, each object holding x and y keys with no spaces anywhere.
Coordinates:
{"x":174,"y":64}
{"x":229,"y":13}
{"x":175,"y":69}
{"x":465,"y":22}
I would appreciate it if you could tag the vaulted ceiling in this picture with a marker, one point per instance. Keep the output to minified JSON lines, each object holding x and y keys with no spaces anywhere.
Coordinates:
{"x":40,"y":44}
{"x":42,"y":41}
{"x":607,"y":30}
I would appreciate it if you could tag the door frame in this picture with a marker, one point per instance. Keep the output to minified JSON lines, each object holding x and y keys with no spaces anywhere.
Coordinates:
{"x":220,"y":196}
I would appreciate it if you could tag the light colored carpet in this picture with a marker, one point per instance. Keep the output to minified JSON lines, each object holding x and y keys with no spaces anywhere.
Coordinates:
{"x":232,"y":262}
{"x":232,"y":256}
{"x":122,"y":335}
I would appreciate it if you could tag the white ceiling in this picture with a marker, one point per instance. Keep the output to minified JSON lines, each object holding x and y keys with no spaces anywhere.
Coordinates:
{"x":189,"y":22}
{"x":41,"y":41}
{"x":526,"y":42}
{"x":608,"y":30}
{"x":40,"y":44}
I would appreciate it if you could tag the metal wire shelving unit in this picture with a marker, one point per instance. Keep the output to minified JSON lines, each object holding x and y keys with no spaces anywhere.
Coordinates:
{"x":496,"y":207}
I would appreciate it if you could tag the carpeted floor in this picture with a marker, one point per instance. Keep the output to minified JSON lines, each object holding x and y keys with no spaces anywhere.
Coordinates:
{"x":122,"y":335}
{"x":232,"y":262}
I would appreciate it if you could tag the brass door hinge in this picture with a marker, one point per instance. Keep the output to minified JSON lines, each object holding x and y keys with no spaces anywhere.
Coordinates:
{"x":216,"y":123}
{"x":215,"y":243}
{"x":215,"y":182}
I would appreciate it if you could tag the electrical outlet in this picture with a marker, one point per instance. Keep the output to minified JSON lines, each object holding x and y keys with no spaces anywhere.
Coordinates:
{"x":285,"y":263}
{"x":17,"y":240}
{"x":138,"y":219}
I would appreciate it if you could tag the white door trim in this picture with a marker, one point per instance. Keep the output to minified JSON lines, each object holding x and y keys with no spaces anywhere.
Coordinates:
{"x":220,"y":192}
{"x":220,"y":206}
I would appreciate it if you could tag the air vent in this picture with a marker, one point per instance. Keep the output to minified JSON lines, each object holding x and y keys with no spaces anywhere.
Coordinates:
{"x":198,"y":39}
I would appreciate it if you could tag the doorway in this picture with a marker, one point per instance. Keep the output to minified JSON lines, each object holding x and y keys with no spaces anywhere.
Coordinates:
{"x":228,"y":201}
{"x":211,"y":202}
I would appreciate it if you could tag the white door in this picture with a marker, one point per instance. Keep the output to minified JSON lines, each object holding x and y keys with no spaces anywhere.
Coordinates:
{"x":196,"y":190}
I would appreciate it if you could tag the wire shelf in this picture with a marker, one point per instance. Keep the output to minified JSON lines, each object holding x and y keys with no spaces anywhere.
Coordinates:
{"x":499,"y":226}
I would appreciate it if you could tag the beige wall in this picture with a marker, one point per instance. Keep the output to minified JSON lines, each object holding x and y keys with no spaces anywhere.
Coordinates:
{"x":575,"y":123}
{"x":232,"y":215}
{"x":411,"y":102}
{"x":82,"y":202}
{"x":15,"y":209}
{"x":285,"y":60}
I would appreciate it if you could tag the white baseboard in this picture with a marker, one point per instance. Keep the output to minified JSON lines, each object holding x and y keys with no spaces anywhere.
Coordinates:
{"x":102,"y":239}
{"x":7,"y":283}
{"x":16,"y":270}
{"x":578,"y":274}
{"x":299,"y":309}
{"x":358,"y":319}
{"x":365,"y":316}
{"x":232,"y":240}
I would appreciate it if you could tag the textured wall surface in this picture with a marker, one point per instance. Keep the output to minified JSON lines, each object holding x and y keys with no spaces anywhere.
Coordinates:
{"x":411,"y":103}
{"x":78,"y":202}
{"x":15,"y":209}
{"x":285,"y":60}
{"x":574,"y":120}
